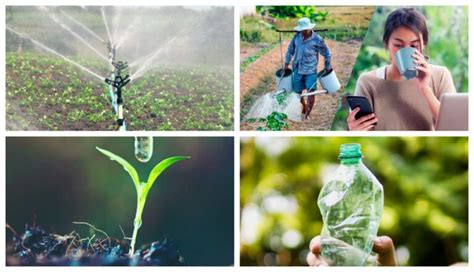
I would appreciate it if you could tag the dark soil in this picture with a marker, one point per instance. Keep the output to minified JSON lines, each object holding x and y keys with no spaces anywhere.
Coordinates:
{"x":37,"y":247}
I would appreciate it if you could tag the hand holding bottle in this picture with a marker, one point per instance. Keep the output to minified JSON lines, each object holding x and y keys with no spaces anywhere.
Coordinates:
{"x":351,"y":205}
{"x":383,"y":246}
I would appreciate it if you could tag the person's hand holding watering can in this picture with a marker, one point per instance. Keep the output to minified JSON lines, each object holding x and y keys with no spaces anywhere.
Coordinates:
{"x":327,"y":69}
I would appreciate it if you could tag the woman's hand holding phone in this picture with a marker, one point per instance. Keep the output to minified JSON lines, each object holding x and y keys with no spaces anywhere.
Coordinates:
{"x":366,"y":122}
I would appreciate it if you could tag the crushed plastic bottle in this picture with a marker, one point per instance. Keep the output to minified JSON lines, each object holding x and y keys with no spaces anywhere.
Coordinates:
{"x":351,"y":205}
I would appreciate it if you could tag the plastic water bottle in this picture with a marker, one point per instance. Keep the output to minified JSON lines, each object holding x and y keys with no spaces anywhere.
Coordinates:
{"x":351,"y":205}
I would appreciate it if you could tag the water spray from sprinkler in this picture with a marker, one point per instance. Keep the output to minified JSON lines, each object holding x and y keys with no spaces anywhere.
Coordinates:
{"x":70,"y":31}
{"x":81,"y":25}
{"x":54,"y":52}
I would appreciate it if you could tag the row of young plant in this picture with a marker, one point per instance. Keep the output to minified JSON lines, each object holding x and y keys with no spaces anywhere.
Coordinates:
{"x":47,"y":93}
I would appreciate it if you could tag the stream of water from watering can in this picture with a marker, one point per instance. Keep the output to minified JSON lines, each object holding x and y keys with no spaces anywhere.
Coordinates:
{"x":266,"y":104}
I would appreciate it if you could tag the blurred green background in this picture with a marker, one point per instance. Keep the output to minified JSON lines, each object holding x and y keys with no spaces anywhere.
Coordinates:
{"x":343,"y":23}
{"x":426,"y":196}
{"x":61,"y":180}
{"x":447,"y":46}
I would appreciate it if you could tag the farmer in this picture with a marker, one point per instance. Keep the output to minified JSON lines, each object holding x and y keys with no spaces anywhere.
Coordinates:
{"x":305,"y":47}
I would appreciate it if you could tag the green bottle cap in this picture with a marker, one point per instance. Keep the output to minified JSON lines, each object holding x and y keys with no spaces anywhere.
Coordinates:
{"x":349,"y":151}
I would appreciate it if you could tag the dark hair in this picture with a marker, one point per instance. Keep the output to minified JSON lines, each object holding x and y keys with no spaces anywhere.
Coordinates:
{"x":407,"y":17}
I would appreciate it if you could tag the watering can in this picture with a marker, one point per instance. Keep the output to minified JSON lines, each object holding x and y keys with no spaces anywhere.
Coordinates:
{"x":329,"y":82}
{"x":284,"y":79}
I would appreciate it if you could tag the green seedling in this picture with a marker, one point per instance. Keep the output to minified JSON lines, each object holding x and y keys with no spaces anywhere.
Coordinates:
{"x":142,"y":188}
{"x":281,"y":97}
{"x":274,"y":122}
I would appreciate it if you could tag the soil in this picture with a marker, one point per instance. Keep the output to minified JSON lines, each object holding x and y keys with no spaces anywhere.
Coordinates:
{"x":258,"y":78}
{"x":37,"y":247}
{"x":248,"y":51}
{"x":265,"y":65}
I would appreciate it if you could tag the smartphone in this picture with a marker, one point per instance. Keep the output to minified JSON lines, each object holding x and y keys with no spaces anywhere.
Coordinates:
{"x":362,"y":102}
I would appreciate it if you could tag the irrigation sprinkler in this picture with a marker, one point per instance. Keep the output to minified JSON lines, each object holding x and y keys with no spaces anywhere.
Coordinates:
{"x":116,"y":82}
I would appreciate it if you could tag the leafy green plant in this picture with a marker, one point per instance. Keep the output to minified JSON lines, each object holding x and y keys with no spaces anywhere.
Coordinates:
{"x":321,"y":15}
{"x":294,"y":12}
{"x":251,"y":120}
{"x":142,"y":188}
{"x":275,"y":122}
{"x":252,"y":36}
{"x":281,"y":97}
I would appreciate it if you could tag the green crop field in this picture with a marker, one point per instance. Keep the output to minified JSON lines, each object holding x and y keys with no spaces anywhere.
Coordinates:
{"x":58,"y":58}
{"x":47,"y":93}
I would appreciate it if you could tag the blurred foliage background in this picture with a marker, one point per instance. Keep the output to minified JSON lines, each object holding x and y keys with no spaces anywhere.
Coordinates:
{"x":447,"y":46}
{"x":426,"y":196}
{"x":55,"y":181}
{"x":343,"y":22}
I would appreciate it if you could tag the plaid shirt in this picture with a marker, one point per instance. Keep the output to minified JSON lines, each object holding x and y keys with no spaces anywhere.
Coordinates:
{"x":306,"y":53}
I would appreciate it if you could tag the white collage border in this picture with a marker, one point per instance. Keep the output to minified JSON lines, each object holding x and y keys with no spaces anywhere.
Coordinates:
{"x":237,"y":134}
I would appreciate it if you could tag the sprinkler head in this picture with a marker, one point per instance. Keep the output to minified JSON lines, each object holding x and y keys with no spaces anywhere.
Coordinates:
{"x":119,"y":82}
{"x":120,"y":65}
